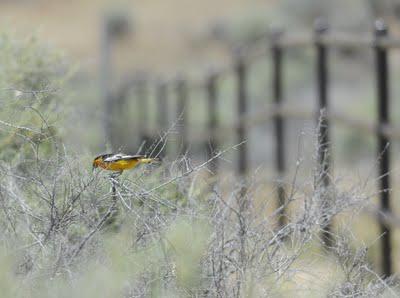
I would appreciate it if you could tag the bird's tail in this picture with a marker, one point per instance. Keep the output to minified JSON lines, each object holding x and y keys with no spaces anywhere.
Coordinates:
{"x":148,"y":160}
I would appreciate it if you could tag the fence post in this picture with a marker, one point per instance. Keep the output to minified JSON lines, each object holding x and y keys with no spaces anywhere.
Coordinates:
{"x":382,"y":81}
{"x":241,"y":77}
{"x":321,"y":29}
{"x":105,"y":80}
{"x":279,"y":124}
{"x":142,"y":110}
{"x":112,"y":27}
{"x":162,"y":117}
{"x":242,"y":138}
{"x":182,"y":96}
{"x":212,"y":97}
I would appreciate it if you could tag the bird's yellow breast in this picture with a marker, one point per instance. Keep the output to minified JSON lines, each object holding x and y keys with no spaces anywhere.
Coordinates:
{"x":119,"y":165}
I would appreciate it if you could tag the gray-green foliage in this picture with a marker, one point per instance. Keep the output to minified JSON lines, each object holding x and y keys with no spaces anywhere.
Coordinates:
{"x":30,"y":76}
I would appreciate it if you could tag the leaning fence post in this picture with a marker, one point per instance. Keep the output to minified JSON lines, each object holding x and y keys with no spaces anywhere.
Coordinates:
{"x":278,"y":121}
{"x":182,"y":100}
{"x":321,"y":29}
{"x":382,"y":81}
{"x":212,"y":97}
{"x":241,"y":77}
{"x":162,"y":118}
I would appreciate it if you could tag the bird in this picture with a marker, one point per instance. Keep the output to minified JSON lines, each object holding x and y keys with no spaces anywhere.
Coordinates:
{"x":118,"y":162}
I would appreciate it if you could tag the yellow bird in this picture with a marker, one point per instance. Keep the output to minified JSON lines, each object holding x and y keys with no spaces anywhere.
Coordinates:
{"x":119,"y":162}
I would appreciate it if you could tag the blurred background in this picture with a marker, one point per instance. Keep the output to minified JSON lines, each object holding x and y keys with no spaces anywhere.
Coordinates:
{"x":165,"y":40}
{"x":171,"y":38}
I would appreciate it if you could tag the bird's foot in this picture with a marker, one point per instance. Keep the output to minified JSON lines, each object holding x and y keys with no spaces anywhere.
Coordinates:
{"x":116,"y":175}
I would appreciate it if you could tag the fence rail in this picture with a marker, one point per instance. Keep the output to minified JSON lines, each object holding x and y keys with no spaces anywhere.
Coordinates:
{"x":287,"y":111}
{"x":260,"y":48}
{"x":274,"y":45}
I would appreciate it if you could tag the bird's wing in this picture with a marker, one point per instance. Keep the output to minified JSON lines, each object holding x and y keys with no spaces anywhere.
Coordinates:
{"x":120,"y":156}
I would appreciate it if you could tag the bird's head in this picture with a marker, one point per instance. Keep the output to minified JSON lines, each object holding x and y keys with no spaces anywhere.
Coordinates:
{"x":96,"y":162}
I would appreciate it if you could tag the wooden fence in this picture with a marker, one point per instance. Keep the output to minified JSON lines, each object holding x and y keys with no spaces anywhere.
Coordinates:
{"x":275,"y":44}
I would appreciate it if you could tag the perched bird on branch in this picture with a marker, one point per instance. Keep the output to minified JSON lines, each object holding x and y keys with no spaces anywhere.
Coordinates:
{"x":119,"y":162}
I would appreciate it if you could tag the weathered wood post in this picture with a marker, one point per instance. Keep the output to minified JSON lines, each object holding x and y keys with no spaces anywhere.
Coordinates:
{"x":142,"y":101}
{"x":212,"y":98}
{"x":241,"y":132}
{"x":321,"y":28}
{"x":112,"y":27}
{"x":382,"y":84}
{"x":182,"y":113}
{"x":242,"y":166}
{"x":162,"y":117}
{"x":277,"y":82}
